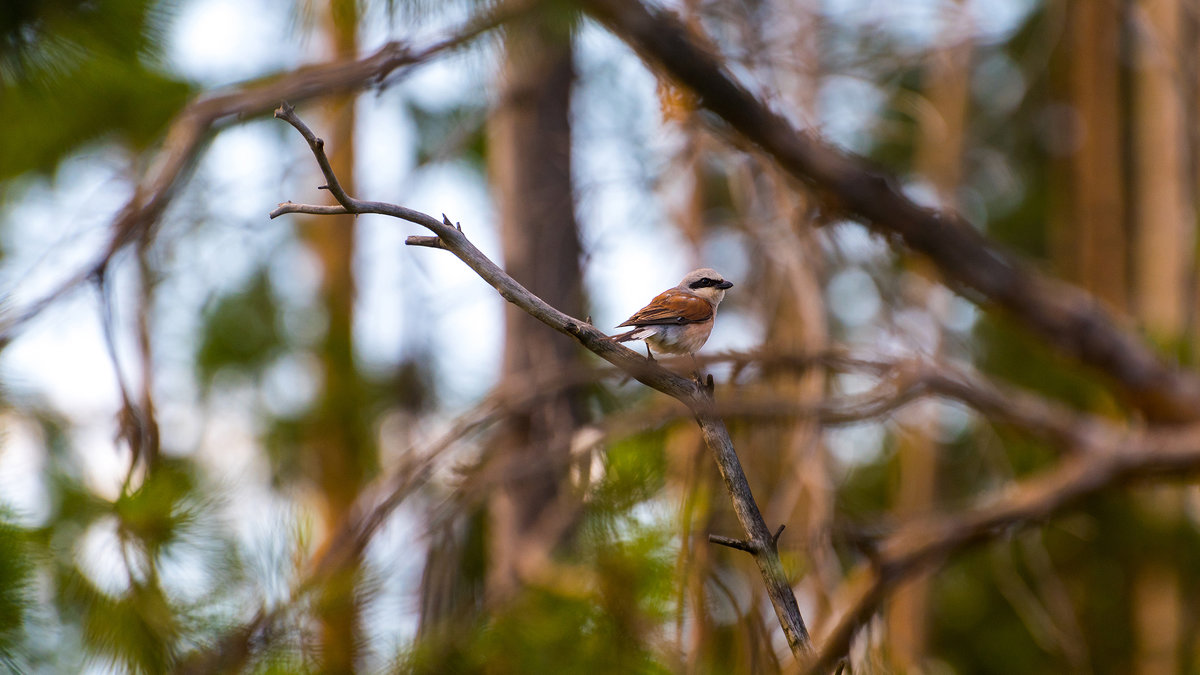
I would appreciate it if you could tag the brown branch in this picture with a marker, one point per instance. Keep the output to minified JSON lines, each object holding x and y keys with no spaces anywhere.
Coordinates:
{"x":901,"y":382}
{"x":742,"y":544}
{"x":919,"y":547}
{"x":696,"y":396}
{"x":190,"y":130}
{"x":1064,"y":316}
{"x":739,"y":544}
{"x":1005,"y":404}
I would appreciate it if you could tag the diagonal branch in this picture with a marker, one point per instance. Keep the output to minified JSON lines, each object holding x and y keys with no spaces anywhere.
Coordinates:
{"x":696,"y":396}
{"x":190,"y":131}
{"x":1064,"y":316}
{"x":1109,"y":458}
{"x":900,"y":382}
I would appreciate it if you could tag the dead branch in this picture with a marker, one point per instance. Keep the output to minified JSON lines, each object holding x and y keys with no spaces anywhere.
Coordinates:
{"x":695,"y":395}
{"x":1072,"y":321}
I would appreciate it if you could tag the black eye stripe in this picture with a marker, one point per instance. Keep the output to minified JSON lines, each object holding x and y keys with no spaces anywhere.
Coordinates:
{"x":703,"y":283}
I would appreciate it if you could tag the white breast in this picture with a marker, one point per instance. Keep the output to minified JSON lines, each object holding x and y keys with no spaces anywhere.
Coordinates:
{"x":676,"y":339}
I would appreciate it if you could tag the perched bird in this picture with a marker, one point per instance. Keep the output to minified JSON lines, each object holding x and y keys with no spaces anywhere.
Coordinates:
{"x":679,"y":320}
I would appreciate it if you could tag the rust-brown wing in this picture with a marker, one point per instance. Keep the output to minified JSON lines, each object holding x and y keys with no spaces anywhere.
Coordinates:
{"x":672,"y":308}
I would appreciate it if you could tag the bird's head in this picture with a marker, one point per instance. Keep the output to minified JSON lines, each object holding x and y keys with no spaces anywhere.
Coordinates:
{"x":706,"y":283}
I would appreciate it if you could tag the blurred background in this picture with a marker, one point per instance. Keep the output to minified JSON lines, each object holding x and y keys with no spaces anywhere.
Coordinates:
{"x":235,"y":444}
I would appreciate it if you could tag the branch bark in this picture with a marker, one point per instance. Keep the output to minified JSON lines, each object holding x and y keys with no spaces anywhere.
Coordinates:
{"x":1064,"y":316}
{"x":695,"y":395}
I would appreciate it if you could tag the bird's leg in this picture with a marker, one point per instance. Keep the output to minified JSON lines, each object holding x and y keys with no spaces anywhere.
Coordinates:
{"x":649,"y":354}
{"x":696,"y":370}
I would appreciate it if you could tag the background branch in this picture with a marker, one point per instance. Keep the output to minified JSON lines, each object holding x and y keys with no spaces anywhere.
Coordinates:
{"x":916,"y":548}
{"x":190,"y":130}
{"x":1064,"y":316}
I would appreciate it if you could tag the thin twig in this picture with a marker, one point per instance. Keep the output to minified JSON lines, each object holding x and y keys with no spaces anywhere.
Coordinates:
{"x":739,"y":544}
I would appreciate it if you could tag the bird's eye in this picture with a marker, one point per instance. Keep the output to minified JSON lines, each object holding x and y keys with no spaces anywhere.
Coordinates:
{"x":703,"y":283}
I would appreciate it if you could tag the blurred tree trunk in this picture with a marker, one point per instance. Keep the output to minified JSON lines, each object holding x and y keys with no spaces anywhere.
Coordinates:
{"x":1093,"y":247}
{"x":795,"y":316}
{"x":799,"y":485}
{"x":938,"y":159}
{"x":530,"y":171}
{"x":691,"y":470}
{"x":1164,"y":240}
{"x":338,"y":452}
{"x":1163,"y":221}
{"x":1129,"y":236}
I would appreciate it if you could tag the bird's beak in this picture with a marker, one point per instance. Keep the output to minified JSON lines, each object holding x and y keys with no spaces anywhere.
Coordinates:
{"x":725,"y":284}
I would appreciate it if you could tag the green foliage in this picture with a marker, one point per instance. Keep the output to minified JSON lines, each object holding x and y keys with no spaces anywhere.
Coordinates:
{"x":16,"y":576}
{"x":120,"y":614}
{"x":457,"y":132}
{"x":613,"y":590}
{"x":73,"y":72}
{"x":241,"y":331}
{"x":160,"y":508}
{"x":136,"y":629}
{"x":634,"y":471}
{"x":869,"y":489}
{"x":975,"y":629}
{"x":602,"y":622}
{"x":1010,"y":353}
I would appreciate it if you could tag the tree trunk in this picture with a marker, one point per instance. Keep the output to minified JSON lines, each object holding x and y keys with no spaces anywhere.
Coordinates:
{"x":1094,"y":249}
{"x":530,"y":169}
{"x":1162,"y":216}
{"x":938,"y":159}
{"x":339,"y":452}
{"x":1164,"y":249}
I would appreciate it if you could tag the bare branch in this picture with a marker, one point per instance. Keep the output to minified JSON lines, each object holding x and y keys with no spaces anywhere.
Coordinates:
{"x":1064,"y":316}
{"x":695,"y":395}
{"x":434,"y":242}
{"x":901,"y":382}
{"x":312,"y":209}
{"x":739,"y":544}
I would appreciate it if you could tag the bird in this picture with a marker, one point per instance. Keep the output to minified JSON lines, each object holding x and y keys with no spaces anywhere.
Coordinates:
{"x":679,"y":320}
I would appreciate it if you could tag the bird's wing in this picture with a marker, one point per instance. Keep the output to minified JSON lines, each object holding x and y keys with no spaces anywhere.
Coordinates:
{"x":672,"y":308}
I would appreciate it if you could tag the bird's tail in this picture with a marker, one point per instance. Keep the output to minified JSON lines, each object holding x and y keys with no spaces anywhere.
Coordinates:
{"x":624,"y":337}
